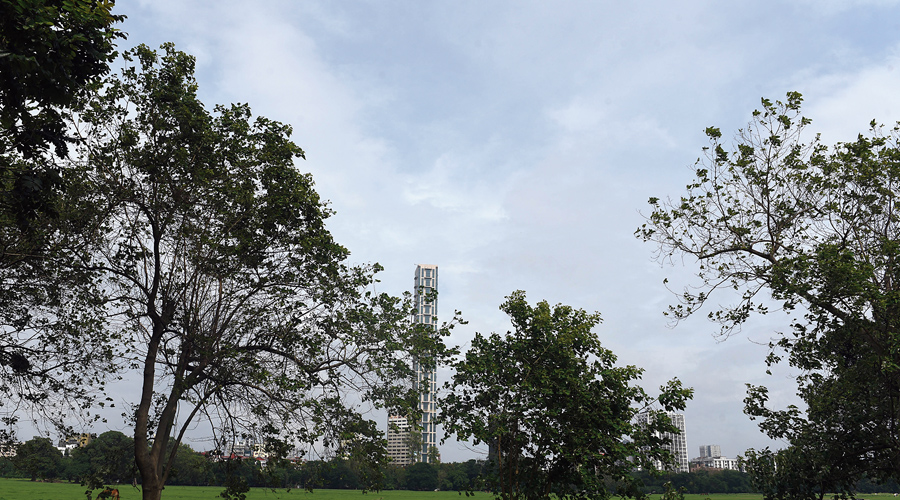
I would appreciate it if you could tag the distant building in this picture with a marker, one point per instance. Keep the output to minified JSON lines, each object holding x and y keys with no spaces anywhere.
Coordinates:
{"x":677,"y":441}
{"x":711,"y":458}
{"x":425,"y":287}
{"x":8,"y":449}
{"x":246,"y":449}
{"x":723,"y":463}
{"x":77,"y":441}
{"x":398,"y":441}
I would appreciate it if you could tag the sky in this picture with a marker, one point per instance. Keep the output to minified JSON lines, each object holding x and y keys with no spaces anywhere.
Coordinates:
{"x":515,"y":144}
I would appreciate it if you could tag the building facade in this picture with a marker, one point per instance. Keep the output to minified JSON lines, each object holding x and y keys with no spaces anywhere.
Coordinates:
{"x":710,"y":450}
{"x":677,"y":441}
{"x":711,"y":458}
{"x":398,"y":445}
{"x":723,"y":463}
{"x":65,"y":446}
{"x":425,"y":286}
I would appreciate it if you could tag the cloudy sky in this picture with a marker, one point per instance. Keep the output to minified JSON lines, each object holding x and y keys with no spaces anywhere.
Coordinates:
{"x":515,"y":144}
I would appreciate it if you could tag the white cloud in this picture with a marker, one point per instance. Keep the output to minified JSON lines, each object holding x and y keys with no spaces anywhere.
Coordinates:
{"x":842,"y":104}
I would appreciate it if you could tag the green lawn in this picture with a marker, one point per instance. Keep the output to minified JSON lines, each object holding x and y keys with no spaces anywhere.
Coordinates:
{"x":757,"y":496}
{"x":19,"y":489}
{"x":719,"y":496}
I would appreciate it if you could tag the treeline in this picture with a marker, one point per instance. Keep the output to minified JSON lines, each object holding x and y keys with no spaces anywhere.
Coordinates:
{"x":342,"y":474}
{"x":707,"y":482}
{"x":699,"y":482}
{"x":109,"y":459}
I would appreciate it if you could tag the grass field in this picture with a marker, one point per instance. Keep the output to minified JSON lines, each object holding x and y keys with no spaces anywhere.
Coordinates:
{"x":21,"y":489}
{"x":18,"y":489}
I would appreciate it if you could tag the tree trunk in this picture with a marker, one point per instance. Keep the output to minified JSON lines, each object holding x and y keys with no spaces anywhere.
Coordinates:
{"x":151,"y":489}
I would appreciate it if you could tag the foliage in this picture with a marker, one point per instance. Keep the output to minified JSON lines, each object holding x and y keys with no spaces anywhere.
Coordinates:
{"x":421,"y":476}
{"x":54,"y":356}
{"x":672,"y":493}
{"x":107,"y":459}
{"x":697,"y":482}
{"x":38,"y":458}
{"x":50,"y":50}
{"x":817,"y":228}
{"x":865,"y":485}
{"x":225,"y":289}
{"x":783,"y":474}
{"x":556,"y":412}
{"x":190,"y":468}
{"x":7,"y":469}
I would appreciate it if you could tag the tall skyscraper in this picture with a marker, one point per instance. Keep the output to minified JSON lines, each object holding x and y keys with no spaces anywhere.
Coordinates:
{"x":400,"y":432}
{"x":677,"y":442}
{"x":425,"y":288}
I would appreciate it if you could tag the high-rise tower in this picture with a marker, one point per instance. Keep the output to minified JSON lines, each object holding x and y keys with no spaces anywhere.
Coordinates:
{"x":399,"y":429}
{"x":425,"y":292}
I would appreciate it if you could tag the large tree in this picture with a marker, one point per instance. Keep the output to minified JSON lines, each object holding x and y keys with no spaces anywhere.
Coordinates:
{"x":225,"y":289}
{"x":51,"y":51}
{"x":556,"y":412}
{"x":813,"y":231}
{"x":38,"y":458}
{"x":801,"y":471}
{"x":107,"y":459}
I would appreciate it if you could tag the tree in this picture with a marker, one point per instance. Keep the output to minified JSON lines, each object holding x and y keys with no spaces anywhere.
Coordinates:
{"x":190,"y":468}
{"x":50,"y":52}
{"x":816,"y":228}
{"x":421,"y":476}
{"x":107,"y":459}
{"x":38,"y":458}
{"x":225,"y":289}
{"x":792,"y":474}
{"x":556,"y":412}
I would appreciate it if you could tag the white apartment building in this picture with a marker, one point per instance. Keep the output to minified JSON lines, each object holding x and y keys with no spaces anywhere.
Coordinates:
{"x":711,"y":458}
{"x":8,"y":450}
{"x":723,"y":463}
{"x":678,"y":441}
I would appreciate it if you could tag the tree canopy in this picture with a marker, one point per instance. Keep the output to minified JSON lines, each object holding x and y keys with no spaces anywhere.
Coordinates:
{"x":223,"y":286}
{"x":813,"y":231}
{"x":51,"y":51}
{"x":38,"y":458}
{"x":554,"y":409}
{"x":106,"y":459}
